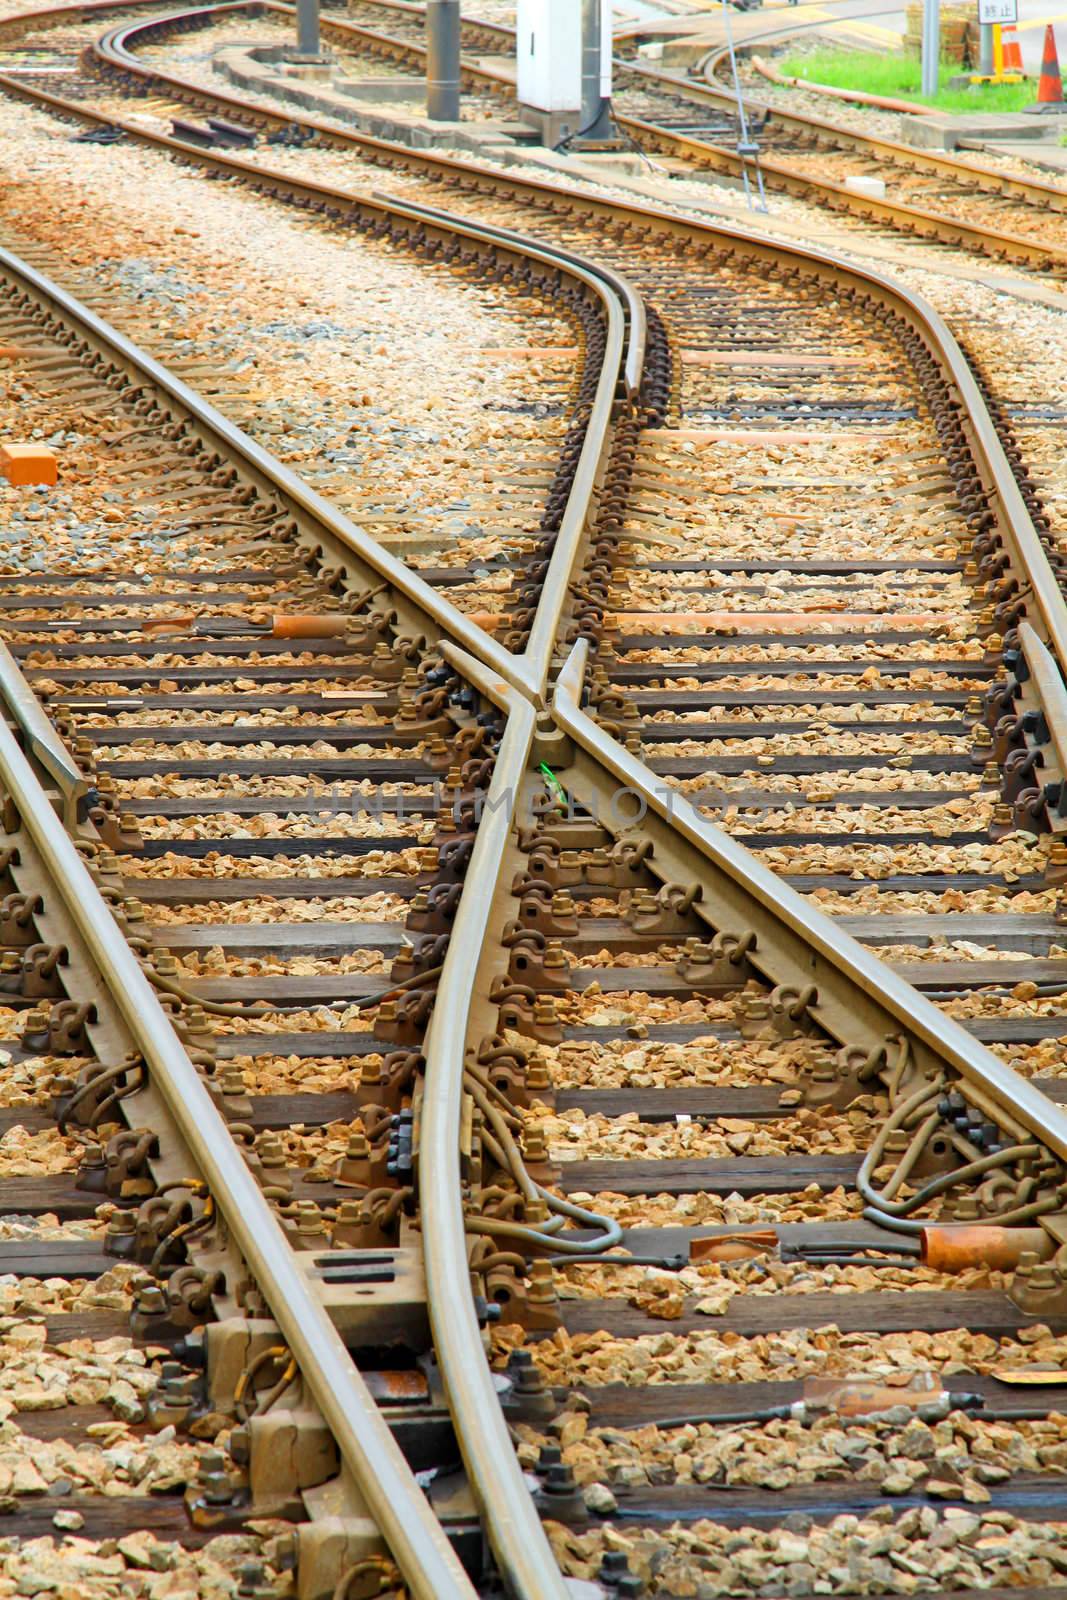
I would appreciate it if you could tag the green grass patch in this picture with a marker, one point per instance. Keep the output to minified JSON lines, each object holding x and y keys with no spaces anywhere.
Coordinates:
{"x":900,"y":77}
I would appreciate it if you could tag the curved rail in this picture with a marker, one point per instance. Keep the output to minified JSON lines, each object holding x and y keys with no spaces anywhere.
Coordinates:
{"x":1015,"y":521}
{"x":848,"y":969}
{"x":1035,"y":191}
{"x":367,"y":1447}
{"x":931,"y":223}
{"x":621,"y":305}
{"x":626,"y":342}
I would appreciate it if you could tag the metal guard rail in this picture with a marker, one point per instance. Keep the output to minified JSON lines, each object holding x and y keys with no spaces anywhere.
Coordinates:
{"x":366,"y":1444}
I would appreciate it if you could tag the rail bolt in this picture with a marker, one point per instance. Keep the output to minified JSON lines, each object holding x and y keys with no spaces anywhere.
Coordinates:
{"x":616,"y":1576}
{"x":559,"y":1496}
{"x":529,"y":1396}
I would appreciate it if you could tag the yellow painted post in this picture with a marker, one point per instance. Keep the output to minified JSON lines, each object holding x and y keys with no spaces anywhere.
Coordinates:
{"x":998,"y":52}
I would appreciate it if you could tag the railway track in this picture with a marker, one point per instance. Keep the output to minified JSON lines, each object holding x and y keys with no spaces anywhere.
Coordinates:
{"x":308,"y":723}
{"x":932,"y":196}
{"x":620,"y":981}
{"x":941,"y":201}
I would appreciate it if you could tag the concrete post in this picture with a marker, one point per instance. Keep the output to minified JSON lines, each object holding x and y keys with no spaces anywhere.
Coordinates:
{"x":442,"y":60}
{"x":307,"y":27}
{"x":931,"y":45}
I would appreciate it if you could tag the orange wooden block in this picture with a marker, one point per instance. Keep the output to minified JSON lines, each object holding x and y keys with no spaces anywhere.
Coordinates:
{"x":24,"y":464}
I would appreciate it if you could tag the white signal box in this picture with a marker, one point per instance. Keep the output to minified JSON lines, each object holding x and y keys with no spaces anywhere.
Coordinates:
{"x":548,"y":45}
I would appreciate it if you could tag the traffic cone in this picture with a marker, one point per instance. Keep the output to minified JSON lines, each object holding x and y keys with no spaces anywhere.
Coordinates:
{"x":1012,"y":54}
{"x":1050,"y":84}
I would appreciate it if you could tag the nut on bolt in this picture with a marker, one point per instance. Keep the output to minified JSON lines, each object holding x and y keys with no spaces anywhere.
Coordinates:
{"x":529,"y":1398}
{"x":213,"y":1479}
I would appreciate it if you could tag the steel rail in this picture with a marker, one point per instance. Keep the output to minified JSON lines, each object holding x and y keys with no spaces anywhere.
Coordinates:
{"x":933,"y":224}
{"x":276,"y":478}
{"x":1038,"y":191}
{"x":1051,"y":692}
{"x":917,"y":1015}
{"x":856,"y":965}
{"x":625,"y":292}
{"x":898,"y":214}
{"x":1014,"y":523}
{"x":626,"y":343}
{"x":519,"y":1543}
{"x":47,"y":747}
{"x":367,"y":1447}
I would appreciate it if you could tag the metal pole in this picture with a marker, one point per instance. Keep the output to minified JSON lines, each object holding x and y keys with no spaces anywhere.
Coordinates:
{"x":442,"y":60}
{"x":746,"y":147}
{"x":931,"y":46}
{"x":307,"y":27}
{"x":985,"y":45}
{"x":597,"y":128}
{"x":590,"y":63}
